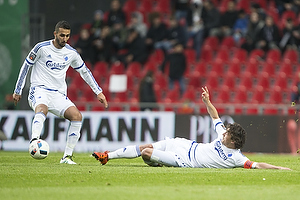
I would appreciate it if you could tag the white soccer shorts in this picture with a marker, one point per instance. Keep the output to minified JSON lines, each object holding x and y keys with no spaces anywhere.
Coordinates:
{"x":57,"y":102}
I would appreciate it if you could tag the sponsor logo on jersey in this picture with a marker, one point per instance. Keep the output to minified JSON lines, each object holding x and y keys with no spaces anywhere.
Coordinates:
{"x":53,"y":65}
{"x":32,"y":56}
{"x":218,"y":148}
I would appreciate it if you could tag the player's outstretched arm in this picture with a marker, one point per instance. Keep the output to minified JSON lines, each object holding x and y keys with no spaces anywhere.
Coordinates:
{"x":269,"y":166}
{"x":210,"y":108}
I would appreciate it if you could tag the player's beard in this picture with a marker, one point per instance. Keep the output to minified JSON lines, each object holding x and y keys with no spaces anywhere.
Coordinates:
{"x":60,"y":43}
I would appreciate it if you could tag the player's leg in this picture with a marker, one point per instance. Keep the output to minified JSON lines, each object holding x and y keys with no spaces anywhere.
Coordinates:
{"x":75,"y":118}
{"x":132,"y":151}
{"x":38,"y":101}
{"x":61,"y":106}
{"x":152,"y":156}
{"x":41,"y":111}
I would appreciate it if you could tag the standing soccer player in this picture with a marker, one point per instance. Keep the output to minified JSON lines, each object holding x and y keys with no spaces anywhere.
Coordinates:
{"x":50,"y":61}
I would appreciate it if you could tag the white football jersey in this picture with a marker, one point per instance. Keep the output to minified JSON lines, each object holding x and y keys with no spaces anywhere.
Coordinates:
{"x":216,"y":155}
{"x":49,"y":67}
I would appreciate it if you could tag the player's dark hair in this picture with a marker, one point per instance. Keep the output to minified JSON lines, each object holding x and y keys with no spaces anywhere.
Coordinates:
{"x":238,"y":134}
{"x":62,"y":24}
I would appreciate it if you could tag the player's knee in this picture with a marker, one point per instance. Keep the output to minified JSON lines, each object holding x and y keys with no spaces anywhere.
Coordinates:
{"x":144,"y":146}
{"x":78,"y":116}
{"x":146,"y":153}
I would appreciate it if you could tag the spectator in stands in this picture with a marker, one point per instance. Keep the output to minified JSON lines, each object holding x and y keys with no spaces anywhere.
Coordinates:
{"x":195,"y":26}
{"x":176,"y":33}
{"x":254,"y":29}
{"x":136,"y":22}
{"x":290,"y":36}
{"x":210,"y":16}
{"x":255,"y":7}
{"x":227,"y":20}
{"x":180,"y":8}
{"x":270,"y":36}
{"x":240,"y":27}
{"x":103,"y":46}
{"x":84,"y":45}
{"x":177,"y":66}
{"x":136,"y":47}
{"x":119,"y":34}
{"x":97,"y":23}
{"x":146,"y":92}
{"x":116,"y":13}
{"x":157,"y":33}
{"x":296,"y":7}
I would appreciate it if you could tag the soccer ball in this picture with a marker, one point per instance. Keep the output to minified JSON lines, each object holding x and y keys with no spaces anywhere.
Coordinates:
{"x":39,"y":149}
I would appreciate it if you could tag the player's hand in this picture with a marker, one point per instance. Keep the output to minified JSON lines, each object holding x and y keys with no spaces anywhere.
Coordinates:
{"x":101,"y":97}
{"x":16,"y":98}
{"x":205,"y":94}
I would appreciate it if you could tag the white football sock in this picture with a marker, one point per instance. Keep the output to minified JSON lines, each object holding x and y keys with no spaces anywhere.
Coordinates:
{"x":72,"y":137}
{"x":126,"y":152}
{"x":37,"y":125}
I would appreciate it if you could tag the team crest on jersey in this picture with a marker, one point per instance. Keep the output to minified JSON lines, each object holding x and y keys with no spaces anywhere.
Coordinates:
{"x":66,"y":58}
{"x":32,"y":56}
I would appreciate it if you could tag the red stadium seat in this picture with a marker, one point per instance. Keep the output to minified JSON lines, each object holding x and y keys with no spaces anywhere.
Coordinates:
{"x":212,"y":42}
{"x":207,"y":54}
{"x":252,"y":67}
{"x":241,"y":95}
{"x":218,"y":67}
{"x":230,"y":80}
{"x":223,"y":55}
{"x":269,"y":67}
{"x":273,"y":55}
{"x":101,"y":71}
{"x":240,"y":55}
{"x":291,"y":55}
{"x":223,"y":95}
{"x":117,"y":68}
{"x":235,"y":67}
{"x":130,"y":6}
{"x":163,"y":6}
{"x":145,"y":8}
{"x":258,"y":95}
{"x":200,"y":69}
{"x":195,"y":82}
{"x":161,"y":81}
{"x":189,"y":95}
{"x":228,"y":43}
{"x":212,"y":81}
{"x":243,"y":4}
{"x":190,"y":55}
{"x":134,"y":69}
{"x":246,"y":80}
{"x":264,"y":81}
{"x":287,"y":68}
{"x":257,"y":54}
{"x":276,"y":95}
{"x":281,"y":81}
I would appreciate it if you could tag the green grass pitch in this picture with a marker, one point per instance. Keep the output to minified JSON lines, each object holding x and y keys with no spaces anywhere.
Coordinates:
{"x":22,"y":177}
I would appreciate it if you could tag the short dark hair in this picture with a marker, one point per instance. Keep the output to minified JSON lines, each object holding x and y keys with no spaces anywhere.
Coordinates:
{"x":238,"y":134}
{"x":62,"y":24}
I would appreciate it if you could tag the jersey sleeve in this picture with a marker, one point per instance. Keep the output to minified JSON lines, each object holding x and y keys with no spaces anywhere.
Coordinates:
{"x":243,"y":161}
{"x":219,"y":127}
{"x":31,"y":58}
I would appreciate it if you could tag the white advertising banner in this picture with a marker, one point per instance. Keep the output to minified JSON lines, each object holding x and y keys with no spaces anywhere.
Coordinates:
{"x":100,"y":130}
